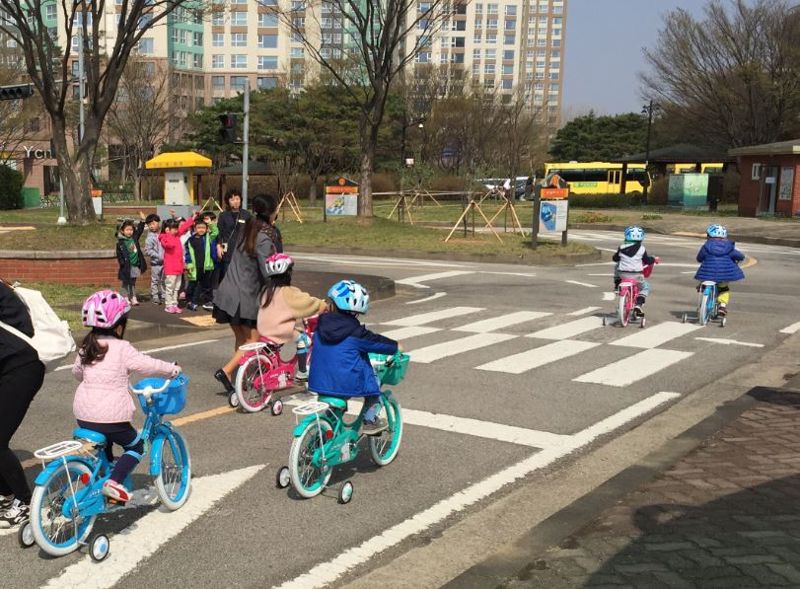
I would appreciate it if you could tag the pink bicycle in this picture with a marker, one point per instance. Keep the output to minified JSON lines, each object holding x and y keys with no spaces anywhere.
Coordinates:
{"x":627,"y":292}
{"x":262,"y":372}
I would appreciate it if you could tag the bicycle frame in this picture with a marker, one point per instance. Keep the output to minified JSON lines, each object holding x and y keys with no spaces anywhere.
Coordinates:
{"x":627,"y":284}
{"x":282,"y":373}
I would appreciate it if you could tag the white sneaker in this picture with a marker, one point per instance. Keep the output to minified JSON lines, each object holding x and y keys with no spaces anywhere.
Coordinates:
{"x":134,"y":301}
{"x":6,"y":501}
{"x":14,"y":515}
{"x":374,"y":428}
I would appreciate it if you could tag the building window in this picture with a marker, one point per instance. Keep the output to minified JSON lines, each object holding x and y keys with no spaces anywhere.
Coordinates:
{"x":491,"y":54}
{"x":50,"y":11}
{"x":267,"y":83}
{"x":197,"y":60}
{"x":268,"y":41}
{"x":755,"y":172}
{"x":238,"y":19}
{"x":217,"y":18}
{"x":508,"y":54}
{"x":508,"y":84}
{"x":489,"y":69}
{"x":238,"y":39}
{"x":508,"y":39}
{"x":508,"y":69}
{"x":491,"y":8}
{"x":297,"y":52}
{"x":491,"y":23}
{"x":146,"y":45}
{"x":238,"y":83}
{"x":218,"y":82}
{"x":423,"y":57}
{"x":197,"y":39}
{"x":217,"y":39}
{"x":511,"y":25}
{"x":267,"y":20}
{"x":239,"y":61}
{"x":217,"y":61}
{"x":478,"y":8}
{"x":491,"y":38}
{"x":267,"y":62}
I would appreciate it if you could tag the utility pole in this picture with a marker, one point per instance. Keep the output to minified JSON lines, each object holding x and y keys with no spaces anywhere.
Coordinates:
{"x":647,"y":109}
{"x":246,"y":142}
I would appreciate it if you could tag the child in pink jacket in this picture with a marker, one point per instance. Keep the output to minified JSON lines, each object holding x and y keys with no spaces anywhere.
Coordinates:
{"x":170,"y":239}
{"x":103,"y":402}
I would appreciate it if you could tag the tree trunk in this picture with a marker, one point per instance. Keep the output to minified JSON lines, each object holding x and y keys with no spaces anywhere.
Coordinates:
{"x":312,"y":189}
{"x":369,"y":144}
{"x":137,"y":186}
{"x":74,"y":171}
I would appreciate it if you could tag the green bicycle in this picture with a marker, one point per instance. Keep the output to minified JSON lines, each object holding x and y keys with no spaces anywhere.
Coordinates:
{"x":324,"y":439}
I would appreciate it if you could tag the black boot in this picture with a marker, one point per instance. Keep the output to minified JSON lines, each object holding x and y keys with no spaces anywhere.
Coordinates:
{"x":224,"y":380}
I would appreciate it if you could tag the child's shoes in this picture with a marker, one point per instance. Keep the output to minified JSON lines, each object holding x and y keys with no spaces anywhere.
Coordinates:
{"x":722,"y":310}
{"x":374,"y":428}
{"x":117,"y":492}
{"x":192,"y":307}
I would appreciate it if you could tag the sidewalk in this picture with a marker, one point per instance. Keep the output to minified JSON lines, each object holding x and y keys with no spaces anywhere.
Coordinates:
{"x":727,"y":515}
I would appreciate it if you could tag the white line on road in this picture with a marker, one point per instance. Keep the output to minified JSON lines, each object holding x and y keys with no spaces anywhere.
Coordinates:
{"x":656,"y":335}
{"x":433,"y":297}
{"x":502,"y":321}
{"x":607,"y":275}
{"x":404,"y":333}
{"x":586,"y":284}
{"x":140,"y":541}
{"x":424,"y":318}
{"x":729,"y":342}
{"x":596,"y":264}
{"x":457,"y":346}
{"x":676,"y":265}
{"x":327,"y":572}
{"x":583,"y":311}
{"x":628,"y":370}
{"x":793,"y":328}
{"x":524,"y":361}
{"x":569,"y":329}
{"x":606,"y":249}
{"x":373,"y":261}
{"x":609,"y":296}
{"x":524,"y":274}
{"x":417,"y":281}
{"x":154,"y":350}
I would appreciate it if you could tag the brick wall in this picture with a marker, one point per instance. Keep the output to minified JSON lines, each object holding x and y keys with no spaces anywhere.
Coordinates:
{"x":754,"y":194}
{"x":84,"y":270}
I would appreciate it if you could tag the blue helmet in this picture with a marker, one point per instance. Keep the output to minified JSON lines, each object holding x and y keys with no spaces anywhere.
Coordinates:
{"x":349,"y":295}
{"x":634,"y":233}
{"x":717,"y":231}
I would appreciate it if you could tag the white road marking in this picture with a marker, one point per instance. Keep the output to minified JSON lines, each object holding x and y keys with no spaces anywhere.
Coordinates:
{"x":729,"y":342}
{"x":596,"y":264}
{"x":327,"y":572}
{"x":417,"y":281}
{"x":676,"y":265}
{"x":607,"y":249}
{"x":688,"y":271}
{"x":607,"y":275}
{"x":569,"y":329}
{"x":524,"y":274}
{"x":586,"y":284}
{"x":375,"y":261}
{"x":403,"y":333}
{"x":154,"y":350}
{"x":433,"y":297}
{"x":656,"y":335}
{"x":502,"y":321}
{"x":609,"y":296}
{"x":583,"y":311}
{"x":524,"y":361}
{"x":793,"y":328}
{"x":141,"y":540}
{"x":628,"y":370}
{"x":424,"y":318}
{"x":457,"y":346}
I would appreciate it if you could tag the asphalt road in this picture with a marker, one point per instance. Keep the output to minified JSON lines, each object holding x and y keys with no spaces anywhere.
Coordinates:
{"x":512,"y":374}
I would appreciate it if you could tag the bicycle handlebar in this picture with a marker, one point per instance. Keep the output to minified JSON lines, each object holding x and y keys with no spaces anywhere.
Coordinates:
{"x":150,"y":391}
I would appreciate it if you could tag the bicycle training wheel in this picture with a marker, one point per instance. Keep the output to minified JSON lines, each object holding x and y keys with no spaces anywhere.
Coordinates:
{"x":249,"y":386}
{"x":308,"y":478}
{"x":623,"y":307}
{"x":59,"y":531}
{"x":174,"y":478}
{"x":384,"y":448}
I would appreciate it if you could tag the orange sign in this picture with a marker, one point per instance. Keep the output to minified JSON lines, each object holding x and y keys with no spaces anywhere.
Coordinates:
{"x":554,"y":193}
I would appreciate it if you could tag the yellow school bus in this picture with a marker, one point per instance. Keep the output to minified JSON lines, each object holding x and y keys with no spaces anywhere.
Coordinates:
{"x":599,"y":177}
{"x":705,"y":168}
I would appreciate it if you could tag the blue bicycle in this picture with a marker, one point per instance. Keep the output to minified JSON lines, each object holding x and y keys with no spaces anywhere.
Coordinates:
{"x":707,"y":305}
{"x":68,"y":495}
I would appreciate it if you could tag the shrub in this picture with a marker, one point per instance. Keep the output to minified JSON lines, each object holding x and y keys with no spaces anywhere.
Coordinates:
{"x":10,"y":189}
{"x":659,"y":192}
{"x":383,"y":182}
{"x":454,"y":183}
{"x":651,"y":217}
{"x":589,"y":217}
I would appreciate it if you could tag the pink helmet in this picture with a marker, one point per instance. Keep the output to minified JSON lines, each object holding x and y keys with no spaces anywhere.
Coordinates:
{"x":104,"y":309}
{"x":278,"y":264}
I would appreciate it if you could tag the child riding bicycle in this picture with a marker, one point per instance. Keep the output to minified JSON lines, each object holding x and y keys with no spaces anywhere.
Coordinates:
{"x":632,"y":258}
{"x":340,"y":364}
{"x":103,"y":402}
{"x":719,"y":261}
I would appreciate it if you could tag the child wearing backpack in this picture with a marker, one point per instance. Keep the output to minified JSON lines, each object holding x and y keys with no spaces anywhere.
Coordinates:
{"x":130,"y":257}
{"x":170,"y":240}
{"x":201,"y":259}
{"x":155,"y":252}
{"x":103,"y":402}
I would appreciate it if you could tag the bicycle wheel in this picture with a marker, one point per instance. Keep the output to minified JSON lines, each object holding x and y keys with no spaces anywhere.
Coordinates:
{"x":384,"y":448}
{"x":623,"y":307}
{"x":249,"y":386}
{"x":307,"y":478}
{"x":702,"y":311}
{"x":172,"y":482}
{"x":56,"y":532}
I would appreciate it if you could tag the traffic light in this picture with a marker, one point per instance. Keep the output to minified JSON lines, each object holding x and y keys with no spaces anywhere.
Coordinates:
{"x":16,"y":92}
{"x":227,"y":130}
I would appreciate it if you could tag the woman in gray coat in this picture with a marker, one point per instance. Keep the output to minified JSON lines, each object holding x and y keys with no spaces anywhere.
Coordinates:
{"x":236,"y":298}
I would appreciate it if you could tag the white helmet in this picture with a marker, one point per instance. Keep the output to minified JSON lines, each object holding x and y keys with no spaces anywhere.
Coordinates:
{"x":349,"y":295}
{"x":717,"y":231}
{"x":279,"y":264}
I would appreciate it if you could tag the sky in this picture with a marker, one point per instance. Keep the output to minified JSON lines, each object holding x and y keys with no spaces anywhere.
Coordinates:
{"x":604,"y":40}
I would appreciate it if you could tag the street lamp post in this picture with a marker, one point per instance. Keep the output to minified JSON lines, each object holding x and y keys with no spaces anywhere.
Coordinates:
{"x":648,"y":110}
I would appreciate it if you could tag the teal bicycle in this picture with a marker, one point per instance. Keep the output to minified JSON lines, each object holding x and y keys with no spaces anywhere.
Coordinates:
{"x":324,"y":438}
{"x":68,"y":495}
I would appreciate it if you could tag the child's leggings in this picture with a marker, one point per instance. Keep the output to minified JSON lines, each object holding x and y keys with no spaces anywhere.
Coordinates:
{"x":125,"y":435}
{"x":724,"y":296}
{"x":172,"y":284}
{"x":372,"y":406}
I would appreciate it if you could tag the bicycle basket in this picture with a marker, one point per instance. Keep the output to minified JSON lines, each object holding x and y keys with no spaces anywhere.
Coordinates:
{"x":393,"y":373}
{"x":171,"y":401}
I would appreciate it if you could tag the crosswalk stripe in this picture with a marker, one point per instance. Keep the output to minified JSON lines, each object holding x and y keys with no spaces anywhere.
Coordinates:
{"x":524,"y":361}
{"x":656,"y":335}
{"x":457,"y":346}
{"x":424,"y":318}
{"x":418,"y":280}
{"x":502,"y":321}
{"x":404,"y":333}
{"x":633,"y":368}
{"x":793,"y":328}
{"x":569,"y":329}
{"x":583,"y":311}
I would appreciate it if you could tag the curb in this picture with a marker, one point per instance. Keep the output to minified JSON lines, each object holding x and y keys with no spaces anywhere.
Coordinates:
{"x":529,"y":259}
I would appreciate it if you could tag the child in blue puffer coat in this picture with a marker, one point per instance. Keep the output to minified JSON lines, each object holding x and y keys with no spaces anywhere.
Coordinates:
{"x":719,"y":261}
{"x":340,"y":362}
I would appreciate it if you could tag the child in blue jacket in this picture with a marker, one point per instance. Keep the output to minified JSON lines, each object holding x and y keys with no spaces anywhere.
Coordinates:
{"x":340,"y":363}
{"x":719,"y":261}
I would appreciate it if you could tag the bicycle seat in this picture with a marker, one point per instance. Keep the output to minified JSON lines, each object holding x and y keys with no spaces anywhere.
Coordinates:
{"x":709,"y":283}
{"x":94,"y":437}
{"x":337,"y":402}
